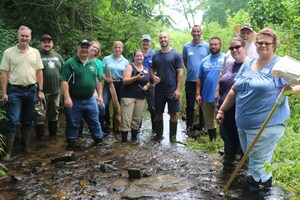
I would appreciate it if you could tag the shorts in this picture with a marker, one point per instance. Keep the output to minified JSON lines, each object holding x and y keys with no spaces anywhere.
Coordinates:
{"x":160,"y":102}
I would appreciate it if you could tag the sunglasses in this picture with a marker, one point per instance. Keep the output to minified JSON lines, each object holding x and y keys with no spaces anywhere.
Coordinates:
{"x":235,"y":47}
{"x":264,"y":43}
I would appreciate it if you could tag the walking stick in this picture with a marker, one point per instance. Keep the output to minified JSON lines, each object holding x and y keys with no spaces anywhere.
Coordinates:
{"x":279,"y":100}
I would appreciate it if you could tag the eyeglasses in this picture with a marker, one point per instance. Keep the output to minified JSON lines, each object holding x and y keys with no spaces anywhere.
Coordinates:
{"x":235,"y":47}
{"x":264,"y":43}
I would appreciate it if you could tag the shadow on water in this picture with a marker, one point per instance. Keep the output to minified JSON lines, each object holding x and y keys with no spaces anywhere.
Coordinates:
{"x":164,"y":170}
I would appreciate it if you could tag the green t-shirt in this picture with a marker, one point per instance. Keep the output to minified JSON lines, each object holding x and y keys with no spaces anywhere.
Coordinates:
{"x":82,"y":79}
{"x":51,"y":72}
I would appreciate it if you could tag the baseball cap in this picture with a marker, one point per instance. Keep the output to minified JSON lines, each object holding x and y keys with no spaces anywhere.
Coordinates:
{"x":146,"y":37}
{"x":246,"y":26}
{"x":84,"y":42}
{"x":45,"y":37}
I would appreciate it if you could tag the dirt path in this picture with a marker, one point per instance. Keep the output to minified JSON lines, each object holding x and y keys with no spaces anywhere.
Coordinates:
{"x":168,"y":171}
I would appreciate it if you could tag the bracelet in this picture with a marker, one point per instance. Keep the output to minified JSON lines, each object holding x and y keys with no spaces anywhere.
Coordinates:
{"x":220,"y":111}
{"x":41,"y":90}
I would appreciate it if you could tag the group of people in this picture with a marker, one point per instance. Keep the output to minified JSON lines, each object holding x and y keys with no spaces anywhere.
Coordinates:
{"x":236,"y":90}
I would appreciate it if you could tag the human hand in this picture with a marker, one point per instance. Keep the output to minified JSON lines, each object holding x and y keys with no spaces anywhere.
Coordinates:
{"x":68,"y":102}
{"x":220,"y":117}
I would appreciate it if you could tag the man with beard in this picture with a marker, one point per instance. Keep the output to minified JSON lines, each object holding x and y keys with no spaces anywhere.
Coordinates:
{"x":207,"y":85}
{"x":52,"y":62}
{"x":167,"y":73}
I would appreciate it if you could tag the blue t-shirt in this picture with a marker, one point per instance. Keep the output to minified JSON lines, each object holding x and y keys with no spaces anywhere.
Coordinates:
{"x":257,"y":92}
{"x":116,"y":67}
{"x":209,"y":71}
{"x":166,"y":65}
{"x":194,"y":54}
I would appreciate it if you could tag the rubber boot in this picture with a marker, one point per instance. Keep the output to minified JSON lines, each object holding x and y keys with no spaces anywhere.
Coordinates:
{"x":52,"y":128}
{"x":134,"y":134}
{"x":72,"y":146}
{"x":124,"y":135}
{"x":202,"y":122}
{"x":159,"y":127}
{"x":40,"y":131}
{"x":189,"y":124}
{"x":10,"y":138}
{"x":212,"y":133}
{"x":153,"y":122}
{"x":173,"y":131}
{"x":80,"y":132}
{"x":26,"y":136}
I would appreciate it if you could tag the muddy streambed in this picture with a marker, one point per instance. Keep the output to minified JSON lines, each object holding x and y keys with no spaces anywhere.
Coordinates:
{"x":160,"y":171}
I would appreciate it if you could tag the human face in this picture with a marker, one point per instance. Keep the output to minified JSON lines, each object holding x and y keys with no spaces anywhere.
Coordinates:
{"x":239,"y":52}
{"x":83,"y":51}
{"x":139,"y":57}
{"x":265,"y":45}
{"x":118,"y":49}
{"x":164,"y":39}
{"x":196,"y":33}
{"x":46,"y":45}
{"x":246,"y":35}
{"x":24,"y":37}
{"x":214,"y":46}
{"x":94,"y":49}
{"x":146,"y":44}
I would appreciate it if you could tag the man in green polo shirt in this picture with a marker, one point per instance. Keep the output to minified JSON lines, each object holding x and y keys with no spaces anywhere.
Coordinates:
{"x":79,"y":78}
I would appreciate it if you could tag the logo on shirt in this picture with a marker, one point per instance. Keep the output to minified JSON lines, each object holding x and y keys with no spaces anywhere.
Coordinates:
{"x":51,"y":64}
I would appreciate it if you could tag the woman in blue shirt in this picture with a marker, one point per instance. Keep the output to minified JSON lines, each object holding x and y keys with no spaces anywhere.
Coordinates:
{"x":255,"y":92}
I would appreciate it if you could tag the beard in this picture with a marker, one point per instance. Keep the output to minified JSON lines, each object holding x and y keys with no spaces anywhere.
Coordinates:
{"x":214,"y":51}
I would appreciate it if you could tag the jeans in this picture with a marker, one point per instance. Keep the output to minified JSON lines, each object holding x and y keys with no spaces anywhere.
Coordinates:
{"x":88,"y":110}
{"x":262,"y":151}
{"x":20,"y":107}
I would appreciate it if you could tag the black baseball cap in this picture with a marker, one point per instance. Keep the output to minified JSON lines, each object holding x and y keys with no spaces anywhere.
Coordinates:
{"x":84,"y":42}
{"x":45,"y":37}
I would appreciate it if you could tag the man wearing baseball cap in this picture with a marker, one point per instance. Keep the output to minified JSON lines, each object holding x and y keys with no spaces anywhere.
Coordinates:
{"x":148,"y":54}
{"x":247,"y":34}
{"x":52,"y":62}
{"x":79,"y":79}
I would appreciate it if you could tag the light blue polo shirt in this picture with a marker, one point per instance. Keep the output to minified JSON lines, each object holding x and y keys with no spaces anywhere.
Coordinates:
{"x":194,"y":54}
{"x":116,"y":67}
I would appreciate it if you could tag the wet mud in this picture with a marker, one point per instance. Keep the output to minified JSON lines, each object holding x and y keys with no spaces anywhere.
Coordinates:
{"x":141,"y":169}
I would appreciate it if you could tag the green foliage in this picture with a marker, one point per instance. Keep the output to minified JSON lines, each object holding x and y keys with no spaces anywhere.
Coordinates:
{"x":202,"y":143}
{"x":217,"y":11}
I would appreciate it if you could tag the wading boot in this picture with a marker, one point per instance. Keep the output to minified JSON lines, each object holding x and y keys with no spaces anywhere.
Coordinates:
{"x":26,"y":137}
{"x":173,"y":131}
{"x":228,"y":162}
{"x":212,"y":133}
{"x":124,"y":135}
{"x":40,"y":131}
{"x":159,"y":127}
{"x":153,"y":122}
{"x":80,"y":132}
{"x":52,"y":128}
{"x":72,"y":146}
{"x":10,"y":138}
{"x":134,"y":134}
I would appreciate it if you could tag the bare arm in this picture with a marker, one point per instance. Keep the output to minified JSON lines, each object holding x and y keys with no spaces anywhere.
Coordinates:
{"x":65,"y":90}
{"x":198,"y":91}
{"x":177,"y":92}
{"x":185,"y":62}
{"x":39,"y":78}
{"x":4,"y":83}
{"x":228,"y":103}
{"x":99,"y":89}
{"x":128,"y":79}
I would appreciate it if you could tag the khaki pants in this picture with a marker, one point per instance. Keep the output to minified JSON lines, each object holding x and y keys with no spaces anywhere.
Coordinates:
{"x":209,"y":111}
{"x":132,"y":113}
